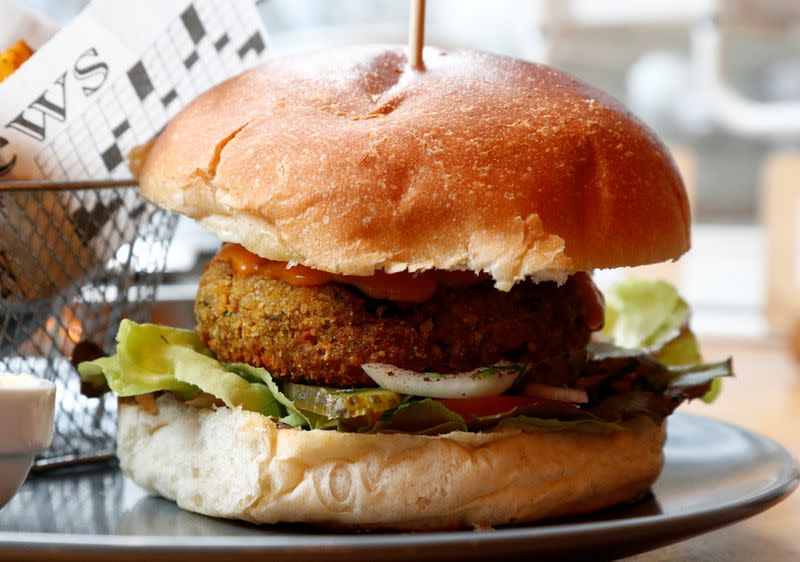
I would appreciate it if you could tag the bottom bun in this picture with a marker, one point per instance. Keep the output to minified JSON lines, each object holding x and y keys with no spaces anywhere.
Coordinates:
{"x":241,"y":465}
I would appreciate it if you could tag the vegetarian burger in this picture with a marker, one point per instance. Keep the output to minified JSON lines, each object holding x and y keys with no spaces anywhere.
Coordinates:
{"x":398,"y":330}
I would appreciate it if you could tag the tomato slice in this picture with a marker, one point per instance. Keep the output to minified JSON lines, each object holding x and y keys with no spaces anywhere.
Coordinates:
{"x":469,"y":408}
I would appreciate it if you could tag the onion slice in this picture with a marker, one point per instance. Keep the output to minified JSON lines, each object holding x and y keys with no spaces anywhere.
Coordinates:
{"x":559,"y":393}
{"x":478,"y":383}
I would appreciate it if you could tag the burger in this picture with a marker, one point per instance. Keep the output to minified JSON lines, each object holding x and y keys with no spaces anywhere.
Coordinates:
{"x":401,"y":330}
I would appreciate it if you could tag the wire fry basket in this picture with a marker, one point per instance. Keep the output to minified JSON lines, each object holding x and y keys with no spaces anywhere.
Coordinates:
{"x":74,"y":261}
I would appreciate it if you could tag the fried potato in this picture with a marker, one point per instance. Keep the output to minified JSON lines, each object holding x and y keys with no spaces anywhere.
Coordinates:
{"x":13,"y":58}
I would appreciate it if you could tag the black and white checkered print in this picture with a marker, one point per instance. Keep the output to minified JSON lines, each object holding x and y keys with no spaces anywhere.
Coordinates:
{"x":195,"y":52}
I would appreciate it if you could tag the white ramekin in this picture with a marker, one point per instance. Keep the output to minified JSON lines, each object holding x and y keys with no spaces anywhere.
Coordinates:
{"x":27,"y":407}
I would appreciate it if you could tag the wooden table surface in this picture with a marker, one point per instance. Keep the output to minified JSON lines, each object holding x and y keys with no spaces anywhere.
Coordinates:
{"x":765,"y":397}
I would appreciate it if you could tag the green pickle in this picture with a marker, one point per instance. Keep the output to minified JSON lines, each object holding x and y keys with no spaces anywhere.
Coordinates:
{"x":334,"y":403}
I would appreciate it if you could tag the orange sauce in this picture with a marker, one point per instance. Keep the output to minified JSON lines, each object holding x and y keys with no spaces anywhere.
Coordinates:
{"x":247,"y":263}
{"x":402,"y":286}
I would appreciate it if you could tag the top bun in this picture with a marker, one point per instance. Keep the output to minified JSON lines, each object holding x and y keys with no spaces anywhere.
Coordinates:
{"x":350,"y":161}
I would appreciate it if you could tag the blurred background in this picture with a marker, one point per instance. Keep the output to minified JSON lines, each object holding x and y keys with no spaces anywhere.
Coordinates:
{"x":718,"y":80}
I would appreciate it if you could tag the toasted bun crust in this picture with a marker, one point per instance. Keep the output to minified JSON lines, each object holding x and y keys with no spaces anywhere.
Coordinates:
{"x":238,"y":464}
{"x":348,"y":161}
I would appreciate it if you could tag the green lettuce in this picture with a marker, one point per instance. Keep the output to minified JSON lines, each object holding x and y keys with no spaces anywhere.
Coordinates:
{"x":421,"y":416}
{"x":644,"y":314}
{"x":682,"y":350}
{"x":147,"y":359}
{"x":293,"y":416}
{"x":713,"y":391}
{"x":651,"y":316}
{"x":153,"y":358}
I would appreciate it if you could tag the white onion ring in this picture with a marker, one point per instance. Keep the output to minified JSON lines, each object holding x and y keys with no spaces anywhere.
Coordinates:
{"x":478,"y":383}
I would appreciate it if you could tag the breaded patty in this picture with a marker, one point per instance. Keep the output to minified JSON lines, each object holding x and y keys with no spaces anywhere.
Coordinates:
{"x":323,"y":334}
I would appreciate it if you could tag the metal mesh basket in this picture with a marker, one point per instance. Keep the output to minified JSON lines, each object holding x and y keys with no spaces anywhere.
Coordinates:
{"x":73,"y":263}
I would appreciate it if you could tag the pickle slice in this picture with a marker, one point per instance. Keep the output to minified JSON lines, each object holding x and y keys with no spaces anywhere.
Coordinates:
{"x":336,"y":403}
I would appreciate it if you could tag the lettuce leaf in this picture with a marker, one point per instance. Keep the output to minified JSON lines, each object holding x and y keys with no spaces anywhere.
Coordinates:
{"x":644,"y":314}
{"x":683,"y":378}
{"x":612,"y":370}
{"x":146,"y":361}
{"x":651,"y":316}
{"x":424,"y":416}
{"x":152,"y":358}
{"x":294,"y":416}
{"x":713,"y":391}
{"x":683,"y":350}
{"x":211,"y":376}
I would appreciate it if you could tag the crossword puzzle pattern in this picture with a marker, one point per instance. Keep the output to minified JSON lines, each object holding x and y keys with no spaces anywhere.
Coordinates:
{"x":139,"y":104}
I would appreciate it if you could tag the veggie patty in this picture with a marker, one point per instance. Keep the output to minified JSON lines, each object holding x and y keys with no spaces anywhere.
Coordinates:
{"x":323,"y":334}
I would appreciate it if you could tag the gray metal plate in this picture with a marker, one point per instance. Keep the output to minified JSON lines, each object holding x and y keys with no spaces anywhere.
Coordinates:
{"x":715,"y":474}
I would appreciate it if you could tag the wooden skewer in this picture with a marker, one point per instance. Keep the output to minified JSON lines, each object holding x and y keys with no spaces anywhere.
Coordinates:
{"x":416,"y":34}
